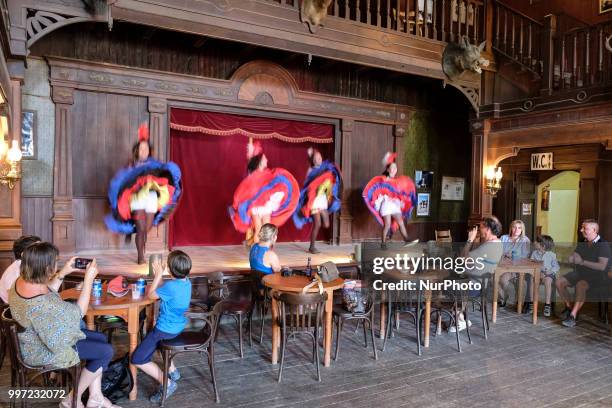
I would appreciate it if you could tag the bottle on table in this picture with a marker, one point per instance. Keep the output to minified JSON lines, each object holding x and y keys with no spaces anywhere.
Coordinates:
{"x":308,"y":270}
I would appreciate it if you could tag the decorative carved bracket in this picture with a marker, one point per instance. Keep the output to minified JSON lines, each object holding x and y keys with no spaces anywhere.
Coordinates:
{"x":471,"y":93}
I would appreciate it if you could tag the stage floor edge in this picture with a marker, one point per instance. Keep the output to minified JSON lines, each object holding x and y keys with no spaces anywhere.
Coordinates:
{"x":226,"y":259}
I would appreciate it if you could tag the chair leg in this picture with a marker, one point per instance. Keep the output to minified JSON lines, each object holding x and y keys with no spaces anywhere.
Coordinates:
{"x":251,"y":329}
{"x":372,"y":337}
{"x":211,"y":365}
{"x":388,"y":330}
{"x":166,"y":358}
{"x":467,"y":325}
{"x":483,"y":315}
{"x":240,"y":334}
{"x":282,"y":362}
{"x":338,"y":331}
{"x":76,"y":376}
{"x":457,"y":325}
{"x":365,"y":334}
{"x":263,"y":320}
{"x":316,"y":341}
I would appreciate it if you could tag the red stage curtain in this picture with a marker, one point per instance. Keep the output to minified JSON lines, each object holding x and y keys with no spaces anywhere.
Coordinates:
{"x":213,"y":166}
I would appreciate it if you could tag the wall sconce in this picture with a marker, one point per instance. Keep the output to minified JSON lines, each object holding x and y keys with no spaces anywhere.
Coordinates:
{"x":10,"y":172}
{"x":493,"y":178}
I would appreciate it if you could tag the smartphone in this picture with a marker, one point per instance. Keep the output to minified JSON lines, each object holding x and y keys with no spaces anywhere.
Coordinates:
{"x":81,"y":263}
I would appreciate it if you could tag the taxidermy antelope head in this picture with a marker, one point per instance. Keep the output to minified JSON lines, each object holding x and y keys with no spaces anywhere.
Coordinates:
{"x":607,"y":42}
{"x":313,"y":13}
{"x":463,"y":56}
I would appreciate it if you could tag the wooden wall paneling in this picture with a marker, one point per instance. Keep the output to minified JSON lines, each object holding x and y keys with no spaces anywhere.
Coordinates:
{"x":346,"y":219}
{"x":63,"y":219}
{"x":605,"y":195}
{"x":480,"y":202}
{"x":369,"y":144}
{"x":36,"y":214}
{"x":90,"y":231}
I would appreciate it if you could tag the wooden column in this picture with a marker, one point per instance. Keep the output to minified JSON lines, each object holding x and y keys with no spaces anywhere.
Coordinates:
{"x":346,"y":220}
{"x":480,"y":202}
{"x":63,"y":219}
{"x":158,"y":133}
{"x":400,"y":129}
{"x":548,"y":50}
{"x":10,"y":208}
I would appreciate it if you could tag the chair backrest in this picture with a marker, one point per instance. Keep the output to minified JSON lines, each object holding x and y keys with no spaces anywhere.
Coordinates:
{"x":10,"y":329}
{"x":300,"y":312}
{"x":443,"y":236}
{"x":199,"y":288}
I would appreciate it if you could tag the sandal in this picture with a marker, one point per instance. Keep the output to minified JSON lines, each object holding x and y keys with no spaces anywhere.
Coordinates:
{"x":67,"y":402}
{"x":105,"y":403}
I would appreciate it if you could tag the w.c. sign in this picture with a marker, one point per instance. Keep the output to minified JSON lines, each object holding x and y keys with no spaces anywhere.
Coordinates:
{"x":542,"y":161}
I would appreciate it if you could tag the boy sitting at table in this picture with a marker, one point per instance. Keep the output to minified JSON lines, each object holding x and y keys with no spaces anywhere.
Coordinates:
{"x":175,"y":295}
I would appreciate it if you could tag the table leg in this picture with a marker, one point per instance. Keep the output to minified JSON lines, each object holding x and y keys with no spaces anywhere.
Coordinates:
{"x":496,"y":276}
{"x":520,"y":296}
{"x":275,"y":331}
{"x":427,"y":319}
{"x":329,"y":305}
{"x":383,"y":318}
{"x":132,"y":321}
{"x":90,"y":321}
{"x":536,"y":294}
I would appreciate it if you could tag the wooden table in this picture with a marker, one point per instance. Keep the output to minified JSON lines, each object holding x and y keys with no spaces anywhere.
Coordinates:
{"x":522,"y":267}
{"x":295,"y":284}
{"x":124,"y":307}
{"x":432,"y":276}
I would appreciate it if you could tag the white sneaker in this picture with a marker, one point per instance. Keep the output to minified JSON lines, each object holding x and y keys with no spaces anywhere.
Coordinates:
{"x":462,"y":326}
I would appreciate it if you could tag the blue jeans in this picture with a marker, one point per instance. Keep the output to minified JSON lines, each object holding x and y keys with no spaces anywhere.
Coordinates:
{"x":95,"y":350}
{"x":144,"y":351}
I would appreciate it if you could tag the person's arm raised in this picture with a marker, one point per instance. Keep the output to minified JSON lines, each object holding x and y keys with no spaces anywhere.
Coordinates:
{"x":58,"y":279}
{"x":90,"y":274}
{"x":159,"y":273}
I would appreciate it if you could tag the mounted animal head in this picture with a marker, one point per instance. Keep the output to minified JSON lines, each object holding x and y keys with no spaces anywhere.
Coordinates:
{"x":463,"y":56}
{"x":607,"y":42}
{"x":313,"y":13}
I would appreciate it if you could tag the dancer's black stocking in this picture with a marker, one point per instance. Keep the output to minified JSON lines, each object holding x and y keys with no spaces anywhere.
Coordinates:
{"x":322,"y":217}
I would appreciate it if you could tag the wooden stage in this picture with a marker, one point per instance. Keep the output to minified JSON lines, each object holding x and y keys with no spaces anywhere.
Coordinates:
{"x":227,"y":259}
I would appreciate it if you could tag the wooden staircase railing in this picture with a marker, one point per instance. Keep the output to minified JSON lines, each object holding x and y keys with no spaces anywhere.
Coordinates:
{"x":518,"y":37}
{"x":441,"y":20}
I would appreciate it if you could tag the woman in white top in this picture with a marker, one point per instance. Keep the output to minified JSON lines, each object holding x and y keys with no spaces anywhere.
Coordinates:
{"x":517,"y":243}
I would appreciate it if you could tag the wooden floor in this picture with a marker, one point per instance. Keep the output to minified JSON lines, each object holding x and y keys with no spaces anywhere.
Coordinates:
{"x":220,"y":258}
{"x":521,"y":365}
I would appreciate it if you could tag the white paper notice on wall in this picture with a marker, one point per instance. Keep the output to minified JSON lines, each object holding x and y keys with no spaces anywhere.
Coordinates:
{"x":542,"y":161}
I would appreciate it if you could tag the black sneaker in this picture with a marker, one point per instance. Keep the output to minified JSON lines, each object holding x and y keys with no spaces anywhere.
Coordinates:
{"x":527,"y":307}
{"x":501,"y":303}
{"x":565,"y":314}
{"x":547,"y":310}
{"x":569,"y":322}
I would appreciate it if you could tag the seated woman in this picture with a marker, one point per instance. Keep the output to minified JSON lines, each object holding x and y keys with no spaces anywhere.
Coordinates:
{"x":262,"y":257}
{"x":52,"y":326}
{"x":517,"y":243}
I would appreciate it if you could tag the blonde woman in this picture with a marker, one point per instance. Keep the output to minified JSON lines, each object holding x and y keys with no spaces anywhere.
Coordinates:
{"x":517,"y":243}
{"x":262,"y":257}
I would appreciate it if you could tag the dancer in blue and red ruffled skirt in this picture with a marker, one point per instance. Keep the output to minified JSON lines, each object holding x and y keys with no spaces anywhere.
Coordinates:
{"x":319,"y":197}
{"x":390,"y":198}
{"x":264,"y":196}
{"x":144,"y":194}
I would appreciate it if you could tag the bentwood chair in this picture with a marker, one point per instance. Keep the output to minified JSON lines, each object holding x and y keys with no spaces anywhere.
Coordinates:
{"x":482,"y":301}
{"x":403,"y":302}
{"x":300,"y":315}
{"x":261,"y":299}
{"x":20,"y":370}
{"x":341,"y":315}
{"x":199,"y":341}
{"x":237,"y":294}
{"x":450,"y":303}
{"x":443,"y":236}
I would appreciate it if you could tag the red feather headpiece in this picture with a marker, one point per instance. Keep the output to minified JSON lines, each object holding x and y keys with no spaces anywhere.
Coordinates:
{"x":389,"y":158}
{"x":253,"y":149}
{"x":143,"y":133}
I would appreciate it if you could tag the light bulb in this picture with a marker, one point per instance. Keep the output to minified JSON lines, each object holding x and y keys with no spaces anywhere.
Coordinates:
{"x":490,"y":175}
{"x":498,"y":174}
{"x":14,"y":153}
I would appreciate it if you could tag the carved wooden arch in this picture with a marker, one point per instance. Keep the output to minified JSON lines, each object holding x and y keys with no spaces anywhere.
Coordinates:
{"x":265,"y":83}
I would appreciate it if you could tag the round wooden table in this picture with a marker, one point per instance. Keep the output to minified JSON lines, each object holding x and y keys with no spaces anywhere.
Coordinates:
{"x":295,"y":284}
{"x":124,"y":307}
